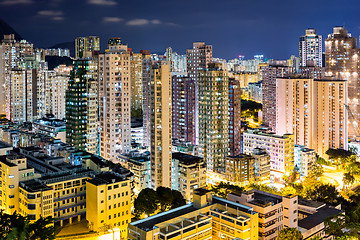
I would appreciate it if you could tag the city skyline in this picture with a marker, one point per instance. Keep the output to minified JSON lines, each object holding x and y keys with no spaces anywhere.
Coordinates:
{"x":242,"y":28}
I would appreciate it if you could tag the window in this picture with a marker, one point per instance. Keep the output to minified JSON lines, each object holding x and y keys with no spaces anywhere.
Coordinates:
{"x":31,"y":206}
{"x":31,"y":196}
{"x":31,"y":216}
{"x":12,"y":186}
{"x":109,"y":216}
{"x":109,"y":197}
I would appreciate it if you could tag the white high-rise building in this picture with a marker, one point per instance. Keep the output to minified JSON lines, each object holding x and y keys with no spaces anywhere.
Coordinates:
{"x":310,"y":49}
{"x":114,"y":100}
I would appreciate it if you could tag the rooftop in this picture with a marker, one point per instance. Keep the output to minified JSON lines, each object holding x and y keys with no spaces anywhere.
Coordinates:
{"x":106,"y":178}
{"x":4,"y":160}
{"x":263,"y":199}
{"x":148,"y":224}
{"x":310,"y":203}
{"x":34,"y":186}
{"x":186,"y":159}
{"x":233,"y":205}
{"x":318,"y":217}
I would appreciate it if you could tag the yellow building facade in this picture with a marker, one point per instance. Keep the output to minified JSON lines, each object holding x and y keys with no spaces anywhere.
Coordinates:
{"x":108,"y":203}
{"x":207,"y":218}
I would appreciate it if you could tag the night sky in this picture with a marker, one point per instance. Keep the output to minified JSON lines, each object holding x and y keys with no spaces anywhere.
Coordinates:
{"x":233,"y":27}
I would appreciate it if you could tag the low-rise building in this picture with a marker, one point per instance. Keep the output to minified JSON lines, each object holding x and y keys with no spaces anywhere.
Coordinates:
{"x":140,"y":167}
{"x":277,"y":212}
{"x":189,"y":173}
{"x":304,"y":159}
{"x":108,"y":202}
{"x":209,"y":217}
{"x":262,"y":165}
{"x":280,"y":149}
{"x":240,"y":169}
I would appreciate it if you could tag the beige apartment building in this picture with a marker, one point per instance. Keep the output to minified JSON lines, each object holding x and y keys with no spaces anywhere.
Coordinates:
{"x":314,"y":111}
{"x":160,"y":126}
{"x":280,"y":148}
{"x":114,"y":100}
{"x":136,"y":66}
{"x":331,"y":122}
{"x":189,"y":173}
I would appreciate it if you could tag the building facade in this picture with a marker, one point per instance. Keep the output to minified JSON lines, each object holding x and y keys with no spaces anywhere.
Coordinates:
{"x":197,"y":59}
{"x":82,"y":106}
{"x":114,"y":100}
{"x":214,"y":117}
{"x":310,"y":49}
{"x":160,"y":124}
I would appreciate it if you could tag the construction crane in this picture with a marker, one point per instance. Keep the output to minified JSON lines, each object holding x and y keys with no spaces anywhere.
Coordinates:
{"x":352,"y":120}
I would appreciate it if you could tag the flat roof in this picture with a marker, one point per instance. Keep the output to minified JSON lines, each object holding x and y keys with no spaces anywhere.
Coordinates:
{"x":318,"y":217}
{"x":34,"y":186}
{"x":106,"y":178}
{"x":233,"y":205}
{"x":263,"y":199}
{"x":310,"y":203}
{"x":186,"y":158}
{"x":5,"y":161}
{"x":148,"y":224}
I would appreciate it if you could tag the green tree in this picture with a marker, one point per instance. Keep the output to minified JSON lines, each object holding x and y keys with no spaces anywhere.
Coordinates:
{"x":151,"y":202}
{"x":323,"y":193}
{"x":146,"y":202}
{"x":336,"y":225}
{"x":223,"y":189}
{"x":289,"y":234}
{"x":348,"y":179}
{"x":16,"y":226}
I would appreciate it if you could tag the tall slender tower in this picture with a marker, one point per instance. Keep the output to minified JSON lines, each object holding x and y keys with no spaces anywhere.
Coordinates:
{"x":82,"y":106}
{"x":160,"y":124}
{"x":234,"y":117}
{"x":214,"y":117}
{"x":114,"y":98}
{"x":183,"y":108}
{"x":310,"y":49}
{"x":198,"y":59}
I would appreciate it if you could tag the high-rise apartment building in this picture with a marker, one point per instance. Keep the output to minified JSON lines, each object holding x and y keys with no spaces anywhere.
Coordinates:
{"x":269,"y":94}
{"x":82,"y":106}
{"x":183,"y":108}
{"x":234,"y":117}
{"x":295,"y":108}
{"x":146,"y":69}
{"x":314,"y":111}
{"x":342,"y":61}
{"x":331,"y":128}
{"x":198,"y":59}
{"x":85,"y":46}
{"x":160,"y":124}
{"x":12,"y":57}
{"x":189,"y":173}
{"x":136,"y":66}
{"x":114,"y":100}
{"x":56,"y":86}
{"x":310,"y":49}
{"x":214,"y":117}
